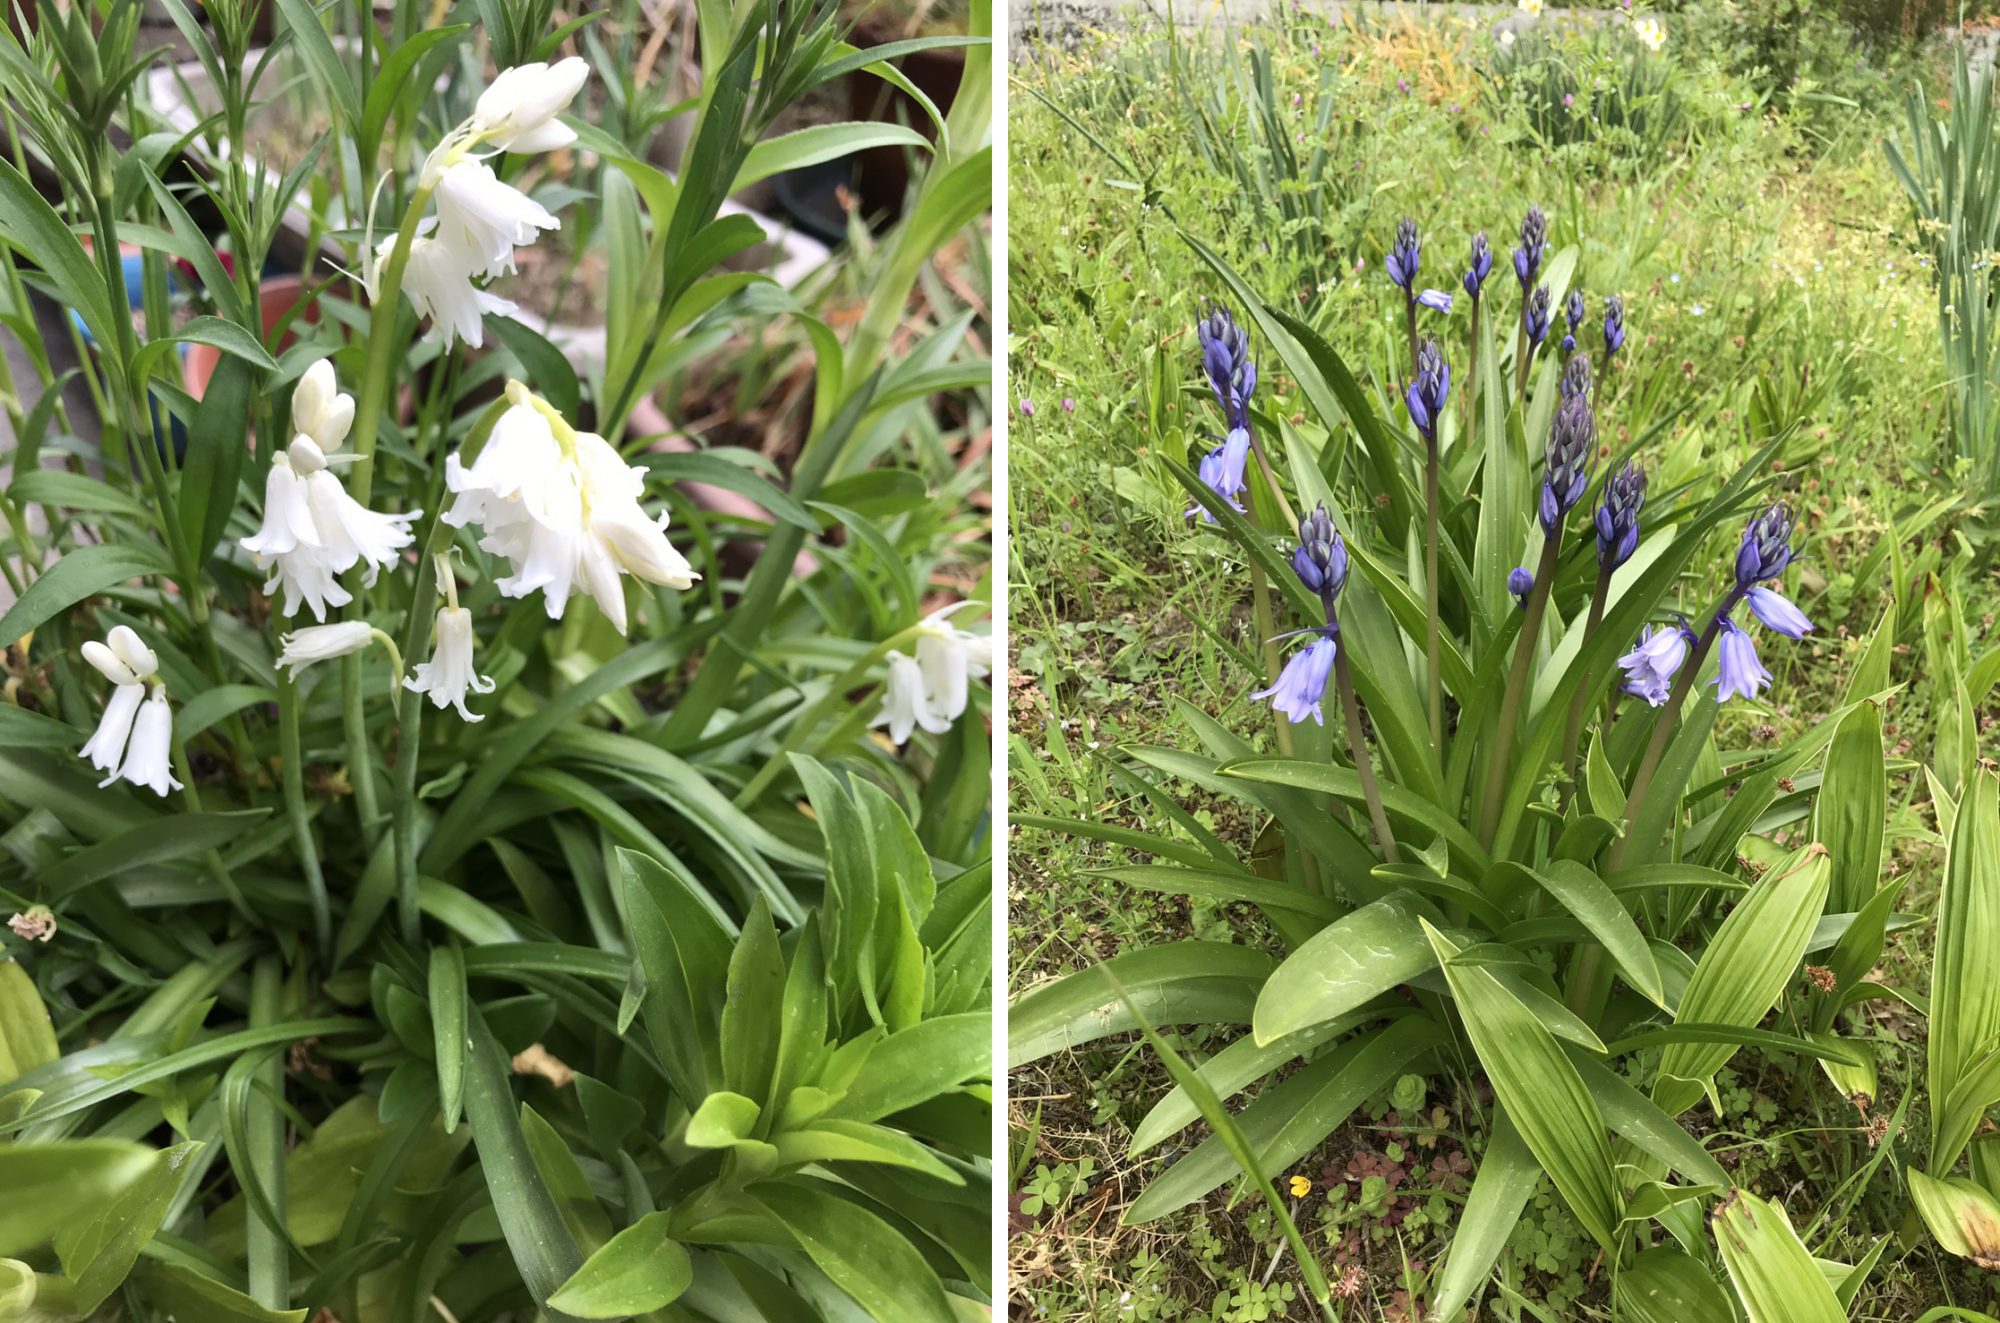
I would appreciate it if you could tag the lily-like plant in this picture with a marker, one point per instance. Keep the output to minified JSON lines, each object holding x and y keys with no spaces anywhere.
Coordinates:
{"x":451,"y":873}
{"x":1522,"y":847}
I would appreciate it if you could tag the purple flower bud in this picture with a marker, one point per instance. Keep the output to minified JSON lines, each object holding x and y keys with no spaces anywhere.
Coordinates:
{"x":1068,"y":405}
{"x":1481,"y":264}
{"x":1321,"y":558}
{"x":1573,"y":309}
{"x":1568,"y":343}
{"x":1618,"y":515}
{"x":1566,"y":460}
{"x":1027,"y":407}
{"x":1302,"y":684}
{"x":1575,"y":379}
{"x":1225,"y":356}
{"x":1777,"y":612}
{"x":1535,"y":316}
{"x":1534,"y":237}
{"x":1766,"y":548}
{"x":1222,"y":469}
{"x":1650,"y":667}
{"x":1614,"y":324}
{"x":1739,"y":673}
{"x":1402,"y":258}
{"x":1428,"y":392}
{"x":1436,"y":300}
{"x":1520,"y":582}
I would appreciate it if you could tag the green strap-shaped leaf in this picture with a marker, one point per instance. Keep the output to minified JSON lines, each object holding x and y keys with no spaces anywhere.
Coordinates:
{"x":1346,"y":964}
{"x":1776,"y":1279}
{"x":638,"y":1270}
{"x":1190,"y":982}
{"x":81,"y":573}
{"x":1664,"y":1285}
{"x":1965,"y":997}
{"x":1540,"y":1089}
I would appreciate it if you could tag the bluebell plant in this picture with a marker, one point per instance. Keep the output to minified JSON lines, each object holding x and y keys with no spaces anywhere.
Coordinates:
{"x":1614,"y":326}
{"x":1528,"y":257}
{"x":1479,"y":267}
{"x":1573,"y":316}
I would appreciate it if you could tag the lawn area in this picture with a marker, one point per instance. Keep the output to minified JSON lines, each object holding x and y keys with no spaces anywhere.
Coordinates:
{"x":1778,"y":299}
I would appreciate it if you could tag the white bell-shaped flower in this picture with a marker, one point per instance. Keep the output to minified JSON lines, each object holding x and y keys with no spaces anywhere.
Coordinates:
{"x":125,"y":660}
{"x":906,"y":703}
{"x":482,"y":219}
{"x":450,"y":672}
{"x":317,"y":643}
{"x":148,"y":758}
{"x":105,"y":749}
{"x":314,"y":532}
{"x":933,"y":689}
{"x":562,"y":508}
{"x":517,"y":112}
{"x":320,"y":409}
{"x":441,"y":289}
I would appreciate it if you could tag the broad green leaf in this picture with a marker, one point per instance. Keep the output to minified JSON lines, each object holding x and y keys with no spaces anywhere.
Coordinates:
{"x":822,"y":142}
{"x":1663,"y":1285}
{"x":1506,"y":1179}
{"x":80,"y":574}
{"x":1851,"y":807}
{"x":1751,"y":960}
{"x":1965,"y":997}
{"x":1776,"y":1279}
{"x":1344,"y":965}
{"x":27,"y":1037}
{"x":175,"y":837}
{"x":722,"y":1121}
{"x":917,"y":1064}
{"x":1964,"y":1216}
{"x":52,"y":1187}
{"x":1190,"y":982}
{"x":1535,"y":1082}
{"x":448,"y":1000}
{"x":638,"y":1270}
{"x":866,"y":1257}
{"x":1597,"y":907}
{"x":179,"y":1290}
{"x":97,"y":1254}
{"x":23,"y":729}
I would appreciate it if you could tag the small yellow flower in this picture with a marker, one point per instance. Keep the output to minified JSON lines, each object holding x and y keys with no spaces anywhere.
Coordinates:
{"x":1301,"y":1186}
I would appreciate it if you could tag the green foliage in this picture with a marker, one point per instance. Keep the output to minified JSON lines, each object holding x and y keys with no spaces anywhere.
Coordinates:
{"x":656,"y":986}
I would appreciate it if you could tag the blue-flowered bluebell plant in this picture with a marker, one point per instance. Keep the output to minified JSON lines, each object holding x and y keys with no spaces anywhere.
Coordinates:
{"x":1573,"y":317}
{"x":1507,"y":632}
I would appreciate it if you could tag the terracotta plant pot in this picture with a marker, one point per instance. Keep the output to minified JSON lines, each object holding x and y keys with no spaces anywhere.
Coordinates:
{"x":277,"y":296}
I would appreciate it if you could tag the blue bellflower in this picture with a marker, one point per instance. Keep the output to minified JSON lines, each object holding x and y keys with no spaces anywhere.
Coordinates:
{"x":1575,"y":379}
{"x":1566,"y":460}
{"x":1481,"y":264}
{"x":1573,"y":314}
{"x":1321,"y":558}
{"x":1528,"y":257}
{"x":1535,"y":316}
{"x":1428,"y":392}
{"x":1738,"y":669}
{"x":1301,"y":685}
{"x":1520,"y":582}
{"x":1223,"y":470}
{"x":1650,"y":667}
{"x":1618,"y":515}
{"x":1225,"y":356}
{"x":1437,"y":300}
{"x":1614,"y":324}
{"x":1763,"y":555}
{"x":1402,"y":258}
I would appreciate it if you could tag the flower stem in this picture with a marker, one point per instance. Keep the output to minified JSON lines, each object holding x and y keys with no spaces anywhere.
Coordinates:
{"x":1357,"y":746}
{"x":1663,"y":730}
{"x":1260,"y":602}
{"x":295,"y":808}
{"x":1472,"y":371}
{"x":1432,"y":649}
{"x":360,"y":754}
{"x":409,"y":731}
{"x":382,"y":350}
{"x":1580,"y":701}
{"x":1497,"y":758}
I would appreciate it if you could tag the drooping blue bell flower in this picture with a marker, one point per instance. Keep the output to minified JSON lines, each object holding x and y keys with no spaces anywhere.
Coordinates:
{"x":1739,"y":672}
{"x":1301,"y":686}
{"x":1614,"y":324}
{"x":1320,"y":560}
{"x":1520,"y":582}
{"x":1225,"y":357}
{"x":1429,"y":390}
{"x":1528,"y":257}
{"x":1223,"y":469}
{"x":1481,"y":263}
{"x":1651,"y":666}
{"x":1403,"y":256}
{"x":1766,"y":548}
{"x":1778,"y":612}
{"x":1618,"y":515}
{"x":1437,"y":300}
{"x":1566,"y":460}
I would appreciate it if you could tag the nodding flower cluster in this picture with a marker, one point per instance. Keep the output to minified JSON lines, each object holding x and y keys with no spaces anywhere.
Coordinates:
{"x":1481,"y":264}
{"x":1402,"y":262}
{"x":1572,"y":314}
{"x":1528,"y":257}
{"x":1761,"y":557}
{"x":1576,"y":377}
{"x":1225,"y":356}
{"x":1614,"y":325}
{"x":1535,"y":316}
{"x":1429,"y":391}
{"x":1321,"y":564}
{"x":1566,"y":460}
